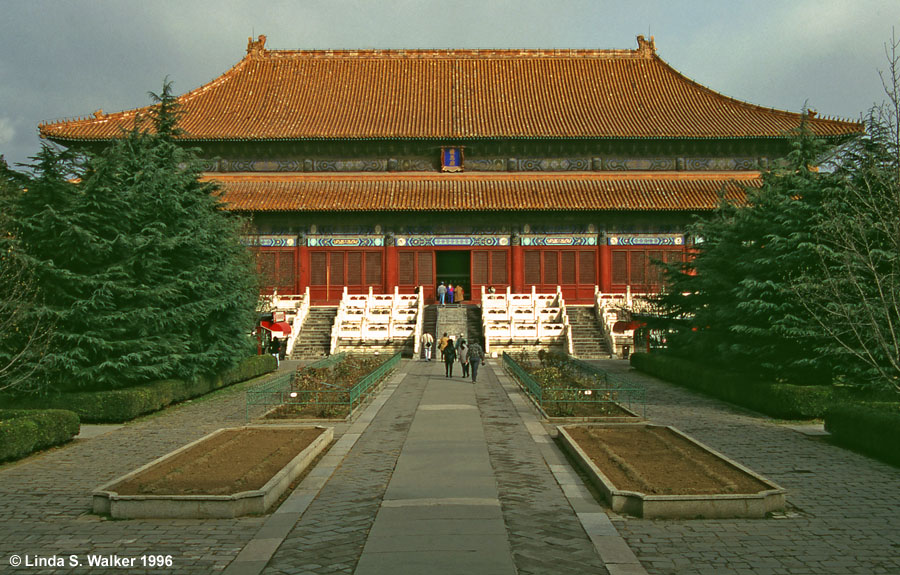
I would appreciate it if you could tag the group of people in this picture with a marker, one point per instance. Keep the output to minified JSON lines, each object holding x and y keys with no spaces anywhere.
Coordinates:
{"x":450,"y":293}
{"x":470,"y":357}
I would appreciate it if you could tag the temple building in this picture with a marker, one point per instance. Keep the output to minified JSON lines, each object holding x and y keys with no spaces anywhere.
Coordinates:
{"x":504,"y":168}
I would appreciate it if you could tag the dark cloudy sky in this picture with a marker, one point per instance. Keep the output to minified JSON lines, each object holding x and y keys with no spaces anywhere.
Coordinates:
{"x":69,"y":58}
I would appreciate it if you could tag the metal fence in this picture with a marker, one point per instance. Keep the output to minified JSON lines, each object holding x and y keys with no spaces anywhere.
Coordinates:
{"x":604,"y":388}
{"x":279,"y":390}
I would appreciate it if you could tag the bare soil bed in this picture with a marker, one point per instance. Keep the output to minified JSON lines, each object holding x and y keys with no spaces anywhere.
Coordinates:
{"x":657,"y":461}
{"x":233,"y":461}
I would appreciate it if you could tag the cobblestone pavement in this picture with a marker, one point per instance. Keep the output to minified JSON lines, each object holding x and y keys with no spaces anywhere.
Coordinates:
{"x":844,"y":515}
{"x":331,"y":534}
{"x":545,"y":535}
{"x":45,"y":499}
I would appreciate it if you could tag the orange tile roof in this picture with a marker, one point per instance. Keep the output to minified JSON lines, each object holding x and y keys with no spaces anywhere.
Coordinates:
{"x":463,"y":94}
{"x":421,"y":192}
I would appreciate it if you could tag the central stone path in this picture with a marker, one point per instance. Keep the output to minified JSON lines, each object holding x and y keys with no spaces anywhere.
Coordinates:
{"x":446,"y":477}
{"x":441,"y":512}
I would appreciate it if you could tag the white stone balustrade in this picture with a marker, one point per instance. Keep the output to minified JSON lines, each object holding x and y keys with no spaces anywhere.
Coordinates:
{"x":525,"y":318}
{"x":613,"y":307}
{"x":295,"y":308}
{"x":377,"y":318}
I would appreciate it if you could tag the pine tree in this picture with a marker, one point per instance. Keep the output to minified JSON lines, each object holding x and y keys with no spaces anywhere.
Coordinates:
{"x":22,"y":342}
{"x":851,"y":292}
{"x":140,"y":270}
{"x":734,"y":304}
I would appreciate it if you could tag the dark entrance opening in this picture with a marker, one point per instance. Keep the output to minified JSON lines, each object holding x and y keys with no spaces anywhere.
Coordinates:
{"x":453,"y":267}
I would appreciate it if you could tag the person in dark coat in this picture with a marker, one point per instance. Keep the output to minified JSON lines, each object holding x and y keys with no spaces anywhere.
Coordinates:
{"x":275,"y":349}
{"x":476,"y":358}
{"x":449,"y":357}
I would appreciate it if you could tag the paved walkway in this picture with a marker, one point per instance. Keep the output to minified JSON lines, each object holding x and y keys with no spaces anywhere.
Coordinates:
{"x":844,"y":508}
{"x":442,"y":476}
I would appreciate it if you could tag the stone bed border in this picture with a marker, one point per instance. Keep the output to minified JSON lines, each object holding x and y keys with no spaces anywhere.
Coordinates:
{"x":629,"y":416}
{"x":106,"y":501}
{"x":718,"y":506}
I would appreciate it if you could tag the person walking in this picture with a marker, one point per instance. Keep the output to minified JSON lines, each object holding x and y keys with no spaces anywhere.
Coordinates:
{"x":450,"y":293}
{"x":461,"y":340}
{"x":275,"y":349}
{"x":449,"y":358}
{"x":476,"y":359}
{"x":463,"y":353}
{"x":443,"y":343}
{"x":427,"y":345}
{"x":442,"y":293}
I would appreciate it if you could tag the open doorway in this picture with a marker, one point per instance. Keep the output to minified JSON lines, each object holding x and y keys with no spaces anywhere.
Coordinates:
{"x":454,"y":267}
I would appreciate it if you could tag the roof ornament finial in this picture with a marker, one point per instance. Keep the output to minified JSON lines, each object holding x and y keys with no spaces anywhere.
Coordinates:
{"x":257,"y":47}
{"x":646,"y":48}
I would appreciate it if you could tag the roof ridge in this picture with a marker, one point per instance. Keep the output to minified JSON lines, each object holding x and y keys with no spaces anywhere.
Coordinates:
{"x":604,"y":176}
{"x":455,"y":53}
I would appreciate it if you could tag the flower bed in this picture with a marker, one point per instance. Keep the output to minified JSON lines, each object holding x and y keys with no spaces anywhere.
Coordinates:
{"x":566,"y":388}
{"x":329,"y":389}
{"x":229,"y":473}
{"x":656,"y":471}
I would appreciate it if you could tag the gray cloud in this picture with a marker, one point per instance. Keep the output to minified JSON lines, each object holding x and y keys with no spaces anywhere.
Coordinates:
{"x":7,"y":132}
{"x":71,"y":58}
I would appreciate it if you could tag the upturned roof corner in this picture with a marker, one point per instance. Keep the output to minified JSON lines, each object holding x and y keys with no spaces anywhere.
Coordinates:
{"x":256,"y":48}
{"x":646,"y":48}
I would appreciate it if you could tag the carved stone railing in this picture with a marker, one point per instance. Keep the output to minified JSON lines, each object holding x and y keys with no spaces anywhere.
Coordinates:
{"x":378,"y":318}
{"x":295,"y":308}
{"x":537,"y":319}
{"x":618,"y":307}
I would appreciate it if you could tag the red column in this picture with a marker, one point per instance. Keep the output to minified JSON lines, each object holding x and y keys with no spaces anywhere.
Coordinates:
{"x":605,"y":267}
{"x":302,"y":267}
{"x":517,"y":270}
{"x":391,"y":272}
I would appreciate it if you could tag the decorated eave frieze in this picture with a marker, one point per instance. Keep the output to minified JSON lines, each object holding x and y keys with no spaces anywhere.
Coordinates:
{"x":270,"y":241}
{"x":500,"y":240}
{"x":627,"y":240}
{"x":563,"y":239}
{"x":571,"y":164}
{"x":345,"y":240}
{"x":452,"y":240}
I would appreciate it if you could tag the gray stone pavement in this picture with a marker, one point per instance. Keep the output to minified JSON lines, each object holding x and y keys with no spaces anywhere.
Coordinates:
{"x":432,"y":486}
{"x":379,"y":487}
{"x":844,"y":514}
{"x":45,"y":499}
{"x":441,"y":511}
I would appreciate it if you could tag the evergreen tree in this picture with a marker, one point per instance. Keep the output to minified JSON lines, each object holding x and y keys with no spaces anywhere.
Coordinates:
{"x":852,"y":290}
{"x":734,"y":304}
{"x":22,"y":342}
{"x":141,"y":271}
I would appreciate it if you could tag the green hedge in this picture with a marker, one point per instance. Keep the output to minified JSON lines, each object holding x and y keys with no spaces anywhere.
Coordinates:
{"x":118,"y":405}
{"x":872,"y":428}
{"x":779,"y":400}
{"x":25,"y":431}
